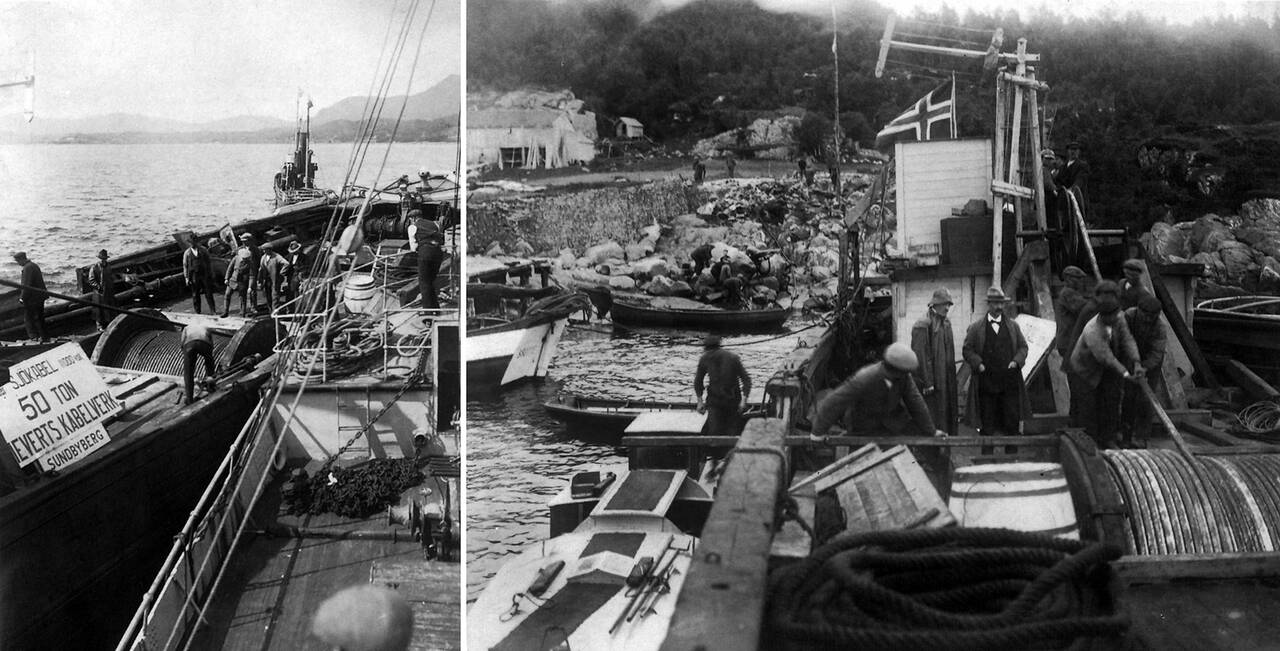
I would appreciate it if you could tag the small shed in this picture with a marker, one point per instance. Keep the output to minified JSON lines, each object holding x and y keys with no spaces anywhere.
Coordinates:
{"x":629,"y":128}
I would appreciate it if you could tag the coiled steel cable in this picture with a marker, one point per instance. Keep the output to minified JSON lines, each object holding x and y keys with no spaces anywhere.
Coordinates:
{"x":1210,"y":504}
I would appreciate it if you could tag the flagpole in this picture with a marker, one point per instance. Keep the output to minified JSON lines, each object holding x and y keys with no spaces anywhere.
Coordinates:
{"x":835,"y":129}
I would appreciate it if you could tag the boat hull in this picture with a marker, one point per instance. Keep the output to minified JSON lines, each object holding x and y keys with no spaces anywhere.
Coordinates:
{"x":523,"y":349}
{"x":632,"y":314}
{"x":72,"y":547}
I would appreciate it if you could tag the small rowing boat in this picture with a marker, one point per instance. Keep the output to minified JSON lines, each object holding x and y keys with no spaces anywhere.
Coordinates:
{"x":608,"y":418}
{"x":672,"y":312}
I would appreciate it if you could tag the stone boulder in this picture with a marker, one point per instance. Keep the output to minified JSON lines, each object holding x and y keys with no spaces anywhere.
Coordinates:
{"x":1269,"y":276}
{"x":1213,"y":268}
{"x":659,"y":286}
{"x":639,"y":250}
{"x":681,"y":288}
{"x":688,"y":221}
{"x":649,"y":268}
{"x":605,"y":251}
{"x":622,"y":282}
{"x":1166,"y":242}
{"x":1237,"y":258}
{"x":566,"y":259}
{"x":1207,"y":233}
{"x":494,"y":250}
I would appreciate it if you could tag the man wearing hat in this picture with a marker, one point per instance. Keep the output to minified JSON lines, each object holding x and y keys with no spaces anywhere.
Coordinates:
{"x":1066,"y":309}
{"x":1076,"y":171}
{"x":428,"y":240}
{"x":721,"y":374}
{"x":241,"y":276}
{"x":1149,"y":333}
{"x":934,"y":344}
{"x":298,"y":264}
{"x":102,"y":282}
{"x":32,"y":296}
{"x":879,"y":397}
{"x":1132,"y":287}
{"x":255,"y":260}
{"x":995,"y":349}
{"x":197,"y":270}
{"x":1101,"y":361}
{"x":271,"y":272}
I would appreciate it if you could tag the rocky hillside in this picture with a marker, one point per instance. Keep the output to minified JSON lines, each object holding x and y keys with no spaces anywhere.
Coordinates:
{"x":1241,"y":253}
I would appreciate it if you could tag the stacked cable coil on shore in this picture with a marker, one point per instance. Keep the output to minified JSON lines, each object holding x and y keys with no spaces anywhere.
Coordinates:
{"x":1227,"y":503}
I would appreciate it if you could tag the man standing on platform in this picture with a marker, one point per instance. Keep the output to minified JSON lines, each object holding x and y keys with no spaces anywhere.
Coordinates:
{"x":727,"y":386}
{"x":1131,"y":288}
{"x":198,"y":272}
{"x":995,"y":349}
{"x":102,"y":281}
{"x":428,"y":241}
{"x":298,"y":264}
{"x":934,"y":345}
{"x":1101,"y":361}
{"x":1149,"y":334}
{"x":271,"y":274}
{"x":32,"y":297}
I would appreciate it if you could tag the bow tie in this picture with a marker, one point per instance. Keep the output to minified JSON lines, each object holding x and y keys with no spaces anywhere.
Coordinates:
{"x":995,"y":320}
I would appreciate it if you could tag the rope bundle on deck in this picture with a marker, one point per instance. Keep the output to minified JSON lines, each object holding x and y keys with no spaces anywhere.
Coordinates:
{"x":1218,"y":504}
{"x":949,"y":588}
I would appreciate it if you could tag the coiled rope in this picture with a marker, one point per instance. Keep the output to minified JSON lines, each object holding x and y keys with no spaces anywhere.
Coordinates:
{"x":1260,"y":421}
{"x":1214,"y":504}
{"x":952,"y":588}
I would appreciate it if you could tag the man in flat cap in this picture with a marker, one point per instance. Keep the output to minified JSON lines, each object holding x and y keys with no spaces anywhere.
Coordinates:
{"x":1103,"y":358}
{"x":1132,"y":286}
{"x":995,"y":349}
{"x":32,"y":297}
{"x":1150,"y":335}
{"x":726,"y":384}
{"x":880,"y":397}
{"x":934,"y":344}
{"x":1076,"y":171}
{"x":1066,"y":309}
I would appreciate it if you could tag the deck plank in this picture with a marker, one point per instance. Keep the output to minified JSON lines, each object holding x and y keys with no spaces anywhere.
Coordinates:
{"x":721,"y":605}
{"x":279,"y":583}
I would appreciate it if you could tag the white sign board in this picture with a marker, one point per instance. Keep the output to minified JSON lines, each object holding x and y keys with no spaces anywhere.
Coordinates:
{"x":53,"y":408}
{"x":1040,"y":334}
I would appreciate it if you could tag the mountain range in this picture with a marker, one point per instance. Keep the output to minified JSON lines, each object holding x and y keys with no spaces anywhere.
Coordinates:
{"x":431,"y":115}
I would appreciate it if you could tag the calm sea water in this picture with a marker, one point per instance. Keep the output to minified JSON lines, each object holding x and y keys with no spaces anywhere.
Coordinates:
{"x":62,"y":203}
{"x":518,"y":458}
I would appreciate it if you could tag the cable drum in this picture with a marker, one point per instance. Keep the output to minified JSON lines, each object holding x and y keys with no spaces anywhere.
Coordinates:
{"x":160,"y":351}
{"x":1218,"y":504}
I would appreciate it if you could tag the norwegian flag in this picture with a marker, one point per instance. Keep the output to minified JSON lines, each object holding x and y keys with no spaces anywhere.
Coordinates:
{"x":932,"y":117}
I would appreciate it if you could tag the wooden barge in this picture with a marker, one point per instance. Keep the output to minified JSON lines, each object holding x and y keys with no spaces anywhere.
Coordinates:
{"x":73,"y":542}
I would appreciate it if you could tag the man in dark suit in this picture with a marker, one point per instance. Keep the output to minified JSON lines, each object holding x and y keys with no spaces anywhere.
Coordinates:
{"x":995,"y":349}
{"x":32,"y":297}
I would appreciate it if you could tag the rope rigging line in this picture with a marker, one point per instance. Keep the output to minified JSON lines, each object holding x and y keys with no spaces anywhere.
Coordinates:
{"x":291,"y":357}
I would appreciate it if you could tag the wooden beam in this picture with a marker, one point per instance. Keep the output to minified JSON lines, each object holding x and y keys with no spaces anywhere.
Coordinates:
{"x":1011,"y":190}
{"x":721,"y":605}
{"x":1162,"y":569}
{"x":1078,"y":215}
{"x":1246,"y":379}
{"x":1037,"y":164}
{"x":1180,"y":329}
{"x":1222,"y":438}
{"x":964,"y":54}
{"x":1026,"y":81}
{"x":997,"y":226}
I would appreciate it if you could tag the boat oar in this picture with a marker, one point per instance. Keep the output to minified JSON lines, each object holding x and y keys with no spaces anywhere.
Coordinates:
{"x":82,"y":301}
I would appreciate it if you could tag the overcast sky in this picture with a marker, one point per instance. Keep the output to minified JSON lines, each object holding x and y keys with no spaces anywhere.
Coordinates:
{"x":202,"y":60}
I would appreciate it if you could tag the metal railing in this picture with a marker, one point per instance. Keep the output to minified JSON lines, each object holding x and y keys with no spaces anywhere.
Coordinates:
{"x":174,"y":607}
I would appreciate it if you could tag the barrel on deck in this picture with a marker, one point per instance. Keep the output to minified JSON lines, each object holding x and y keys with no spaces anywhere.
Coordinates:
{"x":1030,"y":497}
{"x":358,"y":292}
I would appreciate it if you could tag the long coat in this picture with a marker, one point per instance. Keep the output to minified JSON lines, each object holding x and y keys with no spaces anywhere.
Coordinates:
{"x":975,"y":338}
{"x":936,"y":350}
